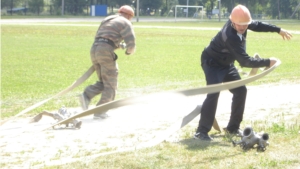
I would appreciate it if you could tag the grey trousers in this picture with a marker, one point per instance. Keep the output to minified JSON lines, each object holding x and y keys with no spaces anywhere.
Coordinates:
{"x":103,"y":60}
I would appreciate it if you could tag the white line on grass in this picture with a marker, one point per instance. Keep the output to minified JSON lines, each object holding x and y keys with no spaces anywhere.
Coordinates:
{"x":135,"y":26}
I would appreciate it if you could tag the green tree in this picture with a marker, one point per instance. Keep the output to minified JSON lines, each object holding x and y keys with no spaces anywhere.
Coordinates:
{"x":153,"y":5}
{"x":73,"y":7}
{"x":184,"y":2}
{"x":123,"y":2}
{"x":36,"y":6}
{"x":168,"y":5}
{"x":118,"y":3}
{"x":10,"y":3}
{"x":209,"y":6}
{"x":286,"y":8}
{"x":294,"y":5}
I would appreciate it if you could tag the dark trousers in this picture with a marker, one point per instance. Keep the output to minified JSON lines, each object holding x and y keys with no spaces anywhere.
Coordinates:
{"x":214,"y":74}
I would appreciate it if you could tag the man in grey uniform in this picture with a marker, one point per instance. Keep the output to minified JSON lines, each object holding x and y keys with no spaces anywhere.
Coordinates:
{"x":112,"y":31}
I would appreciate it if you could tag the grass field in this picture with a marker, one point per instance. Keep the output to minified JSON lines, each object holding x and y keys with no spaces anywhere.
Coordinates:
{"x":39,"y":60}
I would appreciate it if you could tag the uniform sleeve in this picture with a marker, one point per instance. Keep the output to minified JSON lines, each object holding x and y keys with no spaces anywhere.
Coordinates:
{"x":236,"y":48}
{"x":129,"y":37}
{"x":263,"y":27}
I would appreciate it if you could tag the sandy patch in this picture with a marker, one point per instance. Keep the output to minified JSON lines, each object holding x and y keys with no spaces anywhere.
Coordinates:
{"x":26,"y":145}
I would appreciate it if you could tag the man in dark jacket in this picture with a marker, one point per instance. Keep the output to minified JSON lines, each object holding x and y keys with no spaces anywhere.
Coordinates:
{"x":217,"y":61}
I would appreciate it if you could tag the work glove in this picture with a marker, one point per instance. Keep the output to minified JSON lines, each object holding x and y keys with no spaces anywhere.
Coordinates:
{"x":122,"y":45}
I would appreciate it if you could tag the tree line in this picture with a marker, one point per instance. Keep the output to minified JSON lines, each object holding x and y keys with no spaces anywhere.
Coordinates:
{"x":273,"y":9}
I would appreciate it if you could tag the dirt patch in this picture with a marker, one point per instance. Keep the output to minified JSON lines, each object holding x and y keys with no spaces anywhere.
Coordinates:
{"x":25,"y":145}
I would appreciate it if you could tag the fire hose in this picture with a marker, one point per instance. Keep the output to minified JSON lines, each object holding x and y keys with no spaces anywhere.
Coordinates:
{"x":248,"y":141}
{"x":189,"y":92}
{"x":132,"y":100}
{"x":179,"y":124}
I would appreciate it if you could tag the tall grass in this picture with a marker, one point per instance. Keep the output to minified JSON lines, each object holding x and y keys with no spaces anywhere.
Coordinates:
{"x":38,"y":61}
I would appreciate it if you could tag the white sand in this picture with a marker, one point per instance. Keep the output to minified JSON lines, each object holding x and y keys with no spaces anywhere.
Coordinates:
{"x":23,"y":144}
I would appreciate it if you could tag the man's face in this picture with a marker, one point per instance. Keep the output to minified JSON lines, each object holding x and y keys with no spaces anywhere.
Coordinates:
{"x":129,"y":17}
{"x":241,"y":29}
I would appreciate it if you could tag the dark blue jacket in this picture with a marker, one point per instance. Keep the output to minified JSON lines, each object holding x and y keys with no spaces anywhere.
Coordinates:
{"x":227,"y":46}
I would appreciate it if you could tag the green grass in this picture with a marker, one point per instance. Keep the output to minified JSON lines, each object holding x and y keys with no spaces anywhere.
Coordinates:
{"x":38,"y":61}
{"x":283,"y":152}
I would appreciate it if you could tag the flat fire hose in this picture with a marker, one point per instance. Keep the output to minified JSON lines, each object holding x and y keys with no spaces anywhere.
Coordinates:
{"x":174,"y":127}
{"x":190,"y":92}
{"x":133,"y":100}
{"x":75,"y":84}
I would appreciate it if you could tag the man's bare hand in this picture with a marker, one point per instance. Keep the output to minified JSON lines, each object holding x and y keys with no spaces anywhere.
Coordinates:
{"x":285,"y":34}
{"x":272,"y":61}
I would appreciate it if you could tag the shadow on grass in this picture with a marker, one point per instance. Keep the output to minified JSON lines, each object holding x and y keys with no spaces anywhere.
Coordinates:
{"x":196,"y":144}
{"x":219,"y":149}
